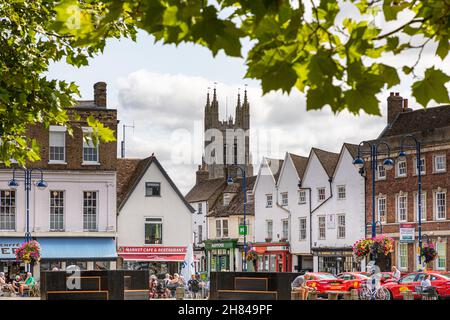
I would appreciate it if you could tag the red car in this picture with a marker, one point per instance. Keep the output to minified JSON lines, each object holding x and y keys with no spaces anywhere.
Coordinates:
{"x":323,"y":281}
{"x":439,"y":279}
{"x":352,"y":280}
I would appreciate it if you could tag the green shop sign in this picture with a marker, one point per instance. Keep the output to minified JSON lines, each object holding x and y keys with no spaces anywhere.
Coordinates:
{"x":243,"y":230}
{"x":220,"y":245}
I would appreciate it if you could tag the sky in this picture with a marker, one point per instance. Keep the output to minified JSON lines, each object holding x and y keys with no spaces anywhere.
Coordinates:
{"x":161,"y":90}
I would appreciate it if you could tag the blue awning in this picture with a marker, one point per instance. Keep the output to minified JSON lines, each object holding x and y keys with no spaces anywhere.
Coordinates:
{"x":78,"y":248}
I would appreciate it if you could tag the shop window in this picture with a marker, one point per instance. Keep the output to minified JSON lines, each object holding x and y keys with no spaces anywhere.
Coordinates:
{"x":153,"y":230}
{"x":90,"y":199}
{"x":56,"y":210}
{"x":82,"y":265}
{"x":441,"y":261}
{"x":7,"y":210}
{"x":102,"y":265}
{"x":403,"y":256}
{"x":152,"y":189}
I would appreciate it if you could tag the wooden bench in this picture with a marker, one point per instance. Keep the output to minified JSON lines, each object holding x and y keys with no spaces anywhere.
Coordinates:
{"x":333,"y":295}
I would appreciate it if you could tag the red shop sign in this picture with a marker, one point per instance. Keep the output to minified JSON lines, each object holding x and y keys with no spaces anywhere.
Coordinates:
{"x":153,"y":249}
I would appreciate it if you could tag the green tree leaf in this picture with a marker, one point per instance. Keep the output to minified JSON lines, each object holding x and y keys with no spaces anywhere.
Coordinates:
{"x":432,"y":87}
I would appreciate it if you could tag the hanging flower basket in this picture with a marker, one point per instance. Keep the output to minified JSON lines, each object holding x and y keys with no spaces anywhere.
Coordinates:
{"x":251,"y":255}
{"x":29,"y":252}
{"x":429,"y":252}
{"x":381,"y":244}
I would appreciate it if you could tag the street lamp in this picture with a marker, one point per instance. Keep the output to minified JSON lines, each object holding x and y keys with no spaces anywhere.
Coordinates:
{"x":402,"y":156}
{"x":41,"y":185}
{"x":388,"y":164}
{"x":244,"y":190}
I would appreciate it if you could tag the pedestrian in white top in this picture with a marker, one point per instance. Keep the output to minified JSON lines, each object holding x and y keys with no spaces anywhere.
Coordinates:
{"x":396,"y":273}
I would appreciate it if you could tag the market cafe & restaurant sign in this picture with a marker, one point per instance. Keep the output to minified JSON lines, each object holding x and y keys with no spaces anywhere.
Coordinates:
{"x":8,"y":248}
{"x":407,"y":232}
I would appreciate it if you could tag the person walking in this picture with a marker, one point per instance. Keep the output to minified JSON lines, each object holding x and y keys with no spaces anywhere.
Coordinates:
{"x":194,"y":286}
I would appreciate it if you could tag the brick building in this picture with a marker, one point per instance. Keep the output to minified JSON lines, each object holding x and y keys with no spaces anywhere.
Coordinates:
{"x":397,"y":189}
{"x":74,"y":218}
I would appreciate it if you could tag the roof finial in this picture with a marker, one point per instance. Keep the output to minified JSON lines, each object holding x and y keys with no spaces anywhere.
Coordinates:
{"x":245,"y":94}
{"x":239,"y":98}
{"x":214,"y":93}
{"x":207,"y":97}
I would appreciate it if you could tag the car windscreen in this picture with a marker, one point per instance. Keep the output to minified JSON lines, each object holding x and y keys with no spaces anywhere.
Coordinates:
{"x":324,"y":276}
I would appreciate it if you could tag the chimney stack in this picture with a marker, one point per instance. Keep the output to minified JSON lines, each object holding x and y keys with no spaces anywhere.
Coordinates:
{"x":202,"y":174}
{"x":394,"y":106}
{"x":100,"y":94}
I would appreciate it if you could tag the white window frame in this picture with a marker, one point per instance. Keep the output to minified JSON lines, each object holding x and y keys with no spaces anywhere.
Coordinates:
{"x":54,"y":206}
{"x":269,"y":203}
{"x":250,"y":196}
{"x":341,"y":226}
{"x":226,"y":199}
{"x":402,"y":175}
{"x":221,"y":228}
{"x":340,"y":192}
{"x":398,"y":209}
{"x":444,"y":169}
{"x":284,"y":199}
{"x":379,"y":198}
{"x":285,"y":232}
{"x":424,"y":206}
{"x":161,"y":222}
{"x":269,"y":230}
{"x":319,"y":194}
{"x":424,"y":166}
{"x":381,"y":177}
{"x":322,"y":226}
{"x":89,"y":131}
{"x":303,"y":233}
{"x":97,"y":198}
{"x":58,"y":130}
{"x":301,"y":196}
{"x":435,"y":203}
{"x":444,"y":245}
{"x":399,"y":256}
{"x":9,"y":216}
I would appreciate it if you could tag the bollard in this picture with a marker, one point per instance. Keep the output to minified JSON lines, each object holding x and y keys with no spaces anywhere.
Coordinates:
{"x":354,"y":294}
{"x":179,"y":293}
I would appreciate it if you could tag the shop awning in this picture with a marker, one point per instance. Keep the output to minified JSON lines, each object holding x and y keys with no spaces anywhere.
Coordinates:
{"x":78,"y":248}
{"x":152,"y":257}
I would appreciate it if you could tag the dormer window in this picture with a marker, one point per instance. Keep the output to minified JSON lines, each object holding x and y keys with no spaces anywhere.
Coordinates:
{"x":226,"y":199}
{"x":250,"y":197}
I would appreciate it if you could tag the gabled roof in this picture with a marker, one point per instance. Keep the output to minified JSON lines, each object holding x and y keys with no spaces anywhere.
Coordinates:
{"x":328,"y":160}
{"x":299,"y":164}
{"x":205,"y":190}
{"x":275,"y":174}
{"x":421,"y":120}
{"x":352,"y":148}
{"x":130,"y":172}
{"x":236,"y":205}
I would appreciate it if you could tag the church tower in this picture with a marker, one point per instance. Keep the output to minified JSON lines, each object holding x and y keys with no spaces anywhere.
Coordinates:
{"x":227,"y":142}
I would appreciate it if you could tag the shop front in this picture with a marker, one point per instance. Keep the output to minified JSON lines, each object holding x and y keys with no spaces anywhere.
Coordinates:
{"x":159,"y":260}
{"x":273,"y":257}
{"x":334,"y":261}
{"x":221,"y":255}
{"x":8,"y":263}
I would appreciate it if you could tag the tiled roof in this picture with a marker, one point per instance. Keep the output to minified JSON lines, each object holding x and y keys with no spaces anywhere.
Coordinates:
{"x":271,"y":162}
{"x":236,"y":206}
{"x":421,"y":120}
{"x":130,"y":172}
{"x":327,"y":159}
{"x":205,"y":190}
{"x":299,"y":164}
{"x":352,"y":148}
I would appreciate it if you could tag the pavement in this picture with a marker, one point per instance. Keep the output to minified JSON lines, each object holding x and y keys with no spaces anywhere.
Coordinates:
{"x":20,"y":298}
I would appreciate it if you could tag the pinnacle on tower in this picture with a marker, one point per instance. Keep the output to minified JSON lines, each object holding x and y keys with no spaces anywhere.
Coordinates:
{"x":207,"y":99}
{"x":239,"y":98}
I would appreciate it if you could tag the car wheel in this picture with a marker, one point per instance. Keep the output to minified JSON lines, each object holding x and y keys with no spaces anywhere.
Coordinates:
{"x":388,"y":294}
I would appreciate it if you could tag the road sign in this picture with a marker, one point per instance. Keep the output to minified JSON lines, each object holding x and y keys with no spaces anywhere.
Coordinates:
{"x":243,"y":230}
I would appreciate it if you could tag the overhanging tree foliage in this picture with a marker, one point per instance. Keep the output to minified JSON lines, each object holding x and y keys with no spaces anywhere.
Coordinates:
{"x":295,"y":44}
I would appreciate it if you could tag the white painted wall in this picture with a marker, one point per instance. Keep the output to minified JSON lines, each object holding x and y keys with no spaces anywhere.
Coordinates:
{"x":199,"y":219}
{"x":177,"y":219}
{"x":73,"y":183}
{"x":353,"y":206}
{"x":265,"y":184}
